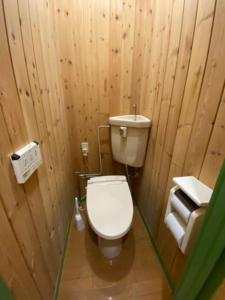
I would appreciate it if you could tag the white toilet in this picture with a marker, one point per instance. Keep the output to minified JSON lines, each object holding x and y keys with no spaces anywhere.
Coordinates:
{"x":110,"y":211}
{"x":109,"y":201}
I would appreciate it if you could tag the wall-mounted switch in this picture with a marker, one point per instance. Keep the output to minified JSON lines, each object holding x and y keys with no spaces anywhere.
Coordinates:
{"x":25,"y":161}
{"x":84,"y":148}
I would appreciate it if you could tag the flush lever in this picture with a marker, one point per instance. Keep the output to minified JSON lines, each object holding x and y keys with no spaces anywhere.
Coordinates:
{"x":123,"y":131}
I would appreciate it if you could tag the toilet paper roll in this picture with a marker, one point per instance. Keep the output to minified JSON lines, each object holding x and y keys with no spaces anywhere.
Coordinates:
{"x":183,"y":210}
{"x":176,"y":226}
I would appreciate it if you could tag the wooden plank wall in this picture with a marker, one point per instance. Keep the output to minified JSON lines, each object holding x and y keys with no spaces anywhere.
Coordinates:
{"x":34,"y":216}
{"x":67,"y":65}
{"x":166,"y":58}
{"x":187,"y":137}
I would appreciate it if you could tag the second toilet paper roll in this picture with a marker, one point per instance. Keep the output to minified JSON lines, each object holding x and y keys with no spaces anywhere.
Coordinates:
{"x":176,"y":226}
{"x":183,"y":210}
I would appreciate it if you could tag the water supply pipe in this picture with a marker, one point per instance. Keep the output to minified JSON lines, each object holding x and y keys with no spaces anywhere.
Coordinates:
{"x":89,"y":175}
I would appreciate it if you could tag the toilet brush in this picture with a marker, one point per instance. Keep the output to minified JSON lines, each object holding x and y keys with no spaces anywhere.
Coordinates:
{"x":78,"y":218}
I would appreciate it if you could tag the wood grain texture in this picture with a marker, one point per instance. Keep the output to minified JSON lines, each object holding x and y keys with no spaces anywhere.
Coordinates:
{"x":187,"y":140}
{"x":66,"y":66}
{"x":35,"y":215}
{"x":164,"y":59}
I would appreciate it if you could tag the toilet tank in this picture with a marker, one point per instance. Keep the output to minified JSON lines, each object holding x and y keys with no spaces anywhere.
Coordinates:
{"x":129,"y":137}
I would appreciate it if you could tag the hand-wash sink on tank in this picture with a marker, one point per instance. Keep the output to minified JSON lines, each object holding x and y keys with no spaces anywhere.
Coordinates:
{"x":129,"y":136}
{"x":130,"y":121}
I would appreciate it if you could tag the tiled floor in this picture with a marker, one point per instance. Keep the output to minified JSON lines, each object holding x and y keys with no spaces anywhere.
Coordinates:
{"x":135,"y":274}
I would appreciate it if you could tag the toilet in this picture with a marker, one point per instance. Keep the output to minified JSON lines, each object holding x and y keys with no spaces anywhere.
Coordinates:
{"x":109,"y":201}
{"x":110,"y":211}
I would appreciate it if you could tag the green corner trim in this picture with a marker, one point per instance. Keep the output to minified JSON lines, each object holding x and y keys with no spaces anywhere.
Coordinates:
{"x":5,"y":293}
{"x":214,"y":280}
{"x":58,"y":280}
{"x":166,"y":273}
{"x":208,"y":249}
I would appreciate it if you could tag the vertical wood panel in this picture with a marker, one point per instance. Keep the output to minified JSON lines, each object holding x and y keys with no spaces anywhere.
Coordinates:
{"x":51,"y":134}
{"x":57,"y":110}
{"x":72,"y":64}
{"x":12,"y":264}
{"x":214,"y":157}
{"x":184,"y":133}
{"x":115,"y":55}
{"x":17,"y":204}
{"x":185,"y":47}
{"x":144,"y":14}
{"x":36,"y":213}
{"x":210,"y":97}
{"x":190,"y":99}
{"x":127,"y":48}
{"x":28,"y":95}
{"x":38,"y":130}
{"x":165,"y":96}
{"x":193,"y":85}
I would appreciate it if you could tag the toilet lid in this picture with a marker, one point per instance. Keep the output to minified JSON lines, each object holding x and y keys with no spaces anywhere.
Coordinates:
{"x":109,"y":206}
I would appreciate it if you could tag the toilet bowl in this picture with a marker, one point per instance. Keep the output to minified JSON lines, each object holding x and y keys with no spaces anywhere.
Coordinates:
{"x":110,"y":211}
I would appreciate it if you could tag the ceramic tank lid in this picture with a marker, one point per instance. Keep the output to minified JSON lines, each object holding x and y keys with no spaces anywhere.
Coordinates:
{"x":130,"y":121}
{"x":109,"y":206}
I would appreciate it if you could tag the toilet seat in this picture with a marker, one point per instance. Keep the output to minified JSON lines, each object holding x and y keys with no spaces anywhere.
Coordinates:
{"x":109,"y":206}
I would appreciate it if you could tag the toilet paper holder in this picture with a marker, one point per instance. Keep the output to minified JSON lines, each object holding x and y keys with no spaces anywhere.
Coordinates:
{"x":186,"y":207}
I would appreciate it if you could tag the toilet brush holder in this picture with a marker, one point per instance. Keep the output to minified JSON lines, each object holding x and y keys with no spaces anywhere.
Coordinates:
{"x":78,"y":218}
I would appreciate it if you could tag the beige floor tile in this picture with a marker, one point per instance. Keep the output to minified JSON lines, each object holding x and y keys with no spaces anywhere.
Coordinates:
{"x":78,"y":284}
{"x":157,"y":296}
{"x":82,"y":271}
{"x":142,"y":288}
{"x":135,"y":274}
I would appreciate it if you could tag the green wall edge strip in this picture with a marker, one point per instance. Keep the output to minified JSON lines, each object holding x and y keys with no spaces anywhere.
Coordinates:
{"x":59,"y":276}
{"x":214,"y":280}
{"x":166,"y":273}
{"x":5,"y":293}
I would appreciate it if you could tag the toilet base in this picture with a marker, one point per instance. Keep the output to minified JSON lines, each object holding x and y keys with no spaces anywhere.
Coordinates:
{"x":110,"y":248}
